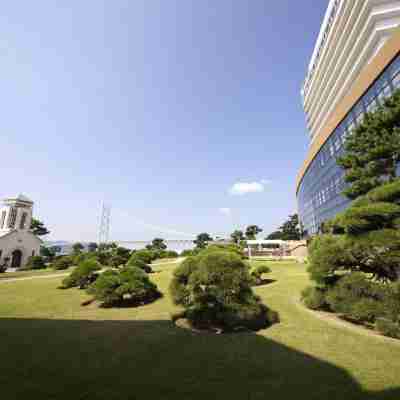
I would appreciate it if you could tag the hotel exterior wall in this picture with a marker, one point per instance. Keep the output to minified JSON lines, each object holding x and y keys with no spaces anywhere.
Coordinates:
{"x":321,"y":180}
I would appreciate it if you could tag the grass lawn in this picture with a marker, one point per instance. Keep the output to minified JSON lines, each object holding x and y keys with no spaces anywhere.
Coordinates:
{"x":29,"y":273}
{"x":52,"y":348}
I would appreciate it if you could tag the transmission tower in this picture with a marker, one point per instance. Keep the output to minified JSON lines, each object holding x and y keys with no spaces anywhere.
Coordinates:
{"x":104,"y":227}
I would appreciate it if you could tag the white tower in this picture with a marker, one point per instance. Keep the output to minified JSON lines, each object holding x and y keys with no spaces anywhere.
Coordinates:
{"x":15,"y":214}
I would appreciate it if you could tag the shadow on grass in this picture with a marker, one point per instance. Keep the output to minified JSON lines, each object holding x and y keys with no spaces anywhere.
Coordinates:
{"x":264,"y":282}
{"x":74,"y":359}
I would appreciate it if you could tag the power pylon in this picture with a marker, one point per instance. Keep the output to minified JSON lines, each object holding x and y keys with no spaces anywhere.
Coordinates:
{"x":104,"y":227}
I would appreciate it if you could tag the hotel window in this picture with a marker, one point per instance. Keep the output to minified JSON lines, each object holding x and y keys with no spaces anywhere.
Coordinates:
{"x":396,"y":81}
{"x":372,"y":106}
{"x":12,"y":217}
{"x":23,"y":221}
{"x":3,"y":219}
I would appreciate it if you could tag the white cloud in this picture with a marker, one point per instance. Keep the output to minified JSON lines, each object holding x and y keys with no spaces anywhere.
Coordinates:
{"x":241,"y":188}
{"x":226,"y":211}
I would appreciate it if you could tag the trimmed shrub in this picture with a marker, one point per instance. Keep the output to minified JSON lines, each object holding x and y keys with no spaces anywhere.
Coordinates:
{"x":129,"y":286}
{"x":35,"y":262}
{"x":170,"y":254}
{"x":179,"y":286}
{"x":257,"y":272}
{"x":365,"y":310}
{"x":145,"y":255}
{"x":83,"y":275}
{"x":187,"y":253}
{"x":232,"y":248}
{"x":215,"y":290}
{"x":117,"y":260}
{"x":391,"y":302}
{"x":357,"y":297}
{"x":63,"y":262}
{"x":139,"y":263}
{"x":314,"y":298}
{"x":388,"y":327}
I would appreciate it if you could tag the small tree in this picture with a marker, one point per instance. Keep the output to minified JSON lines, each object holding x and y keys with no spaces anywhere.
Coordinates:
{"x":252,"y":231}
{"x":158,"y":244}
{"x":202,"y":240}
{"x":215,"y":290}
{"x":92,"y":247}
{"x":83,"y":275}
{"x":47,"y":252}
{"x":130,"y":286}
{"x":289,"y":230}
{"x":38,"y":228}
{"x":63,"y":262}
{"x":237,"y":236}
{"x":257,"y":273}
{"x":77,"y":247}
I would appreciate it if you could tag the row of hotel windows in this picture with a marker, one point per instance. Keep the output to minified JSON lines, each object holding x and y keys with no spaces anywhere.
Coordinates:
{"x":324,"y":180}
{"x":321,"y":46}
{"x":12,"y":218}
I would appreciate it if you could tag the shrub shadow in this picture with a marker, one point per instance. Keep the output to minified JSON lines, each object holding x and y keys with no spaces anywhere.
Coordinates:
{"x":77,"y":359}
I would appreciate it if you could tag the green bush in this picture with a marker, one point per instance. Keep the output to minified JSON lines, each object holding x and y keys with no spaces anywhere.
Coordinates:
{"x":327,"y":256}
{"x":139,"y":263}
{"x":232,"y":248}
{"x":179,"y":286}
{"x":257,"y":273}
{"x":215,"y":290}
{"x":116,"y":261}
{"x":35,"y":262}
{"x":391,"y":304}
{"x":187,"y":253}
{"x":63,"y":262}
{"x":313,"y":298}
{"x":170,"y":254}
{"x":390,"y":192}
{"x":388,"y":327}
{"x":357,"y":297}
{"x":145,"y":255}
{"x":365,"y":310}
{"x":369,"y":217}
{"x":129,"y":286}
{"x":83,"y":275}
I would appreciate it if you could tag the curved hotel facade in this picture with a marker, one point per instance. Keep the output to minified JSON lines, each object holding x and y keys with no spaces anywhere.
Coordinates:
{"x":354,"y":67}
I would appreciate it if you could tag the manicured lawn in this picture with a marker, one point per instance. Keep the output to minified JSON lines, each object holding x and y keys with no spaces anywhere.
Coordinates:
{"x":52,"y":348}
{"x":29,"y":273}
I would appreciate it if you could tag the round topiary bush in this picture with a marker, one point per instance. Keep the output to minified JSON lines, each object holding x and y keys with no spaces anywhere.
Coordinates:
{"x":129,"y":286}
{"x":215,"y":290}
{"x":258,"y":272}
{"x":83,"y":275}
{"x":63,"y":262}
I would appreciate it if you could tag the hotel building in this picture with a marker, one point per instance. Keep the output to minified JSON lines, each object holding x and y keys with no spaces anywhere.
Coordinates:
{"x":354,"y":67}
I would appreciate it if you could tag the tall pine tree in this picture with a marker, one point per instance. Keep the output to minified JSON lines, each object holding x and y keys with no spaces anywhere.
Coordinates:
{"x":372,"y":151}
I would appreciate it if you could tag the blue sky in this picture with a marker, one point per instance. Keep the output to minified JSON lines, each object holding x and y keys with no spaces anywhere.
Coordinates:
{"x":184,"y":115}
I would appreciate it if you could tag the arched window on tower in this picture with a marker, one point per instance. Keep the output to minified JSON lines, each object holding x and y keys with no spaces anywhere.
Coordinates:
{"x":23,"y":221}
{"x":3,"y":219}
{"x":12,"y":217}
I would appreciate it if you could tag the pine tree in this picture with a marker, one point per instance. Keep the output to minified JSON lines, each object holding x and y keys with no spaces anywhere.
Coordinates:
{"x":372,"y":152}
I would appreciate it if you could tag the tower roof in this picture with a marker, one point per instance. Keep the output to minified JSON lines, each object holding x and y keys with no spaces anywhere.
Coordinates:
{"x":20,"y":198}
